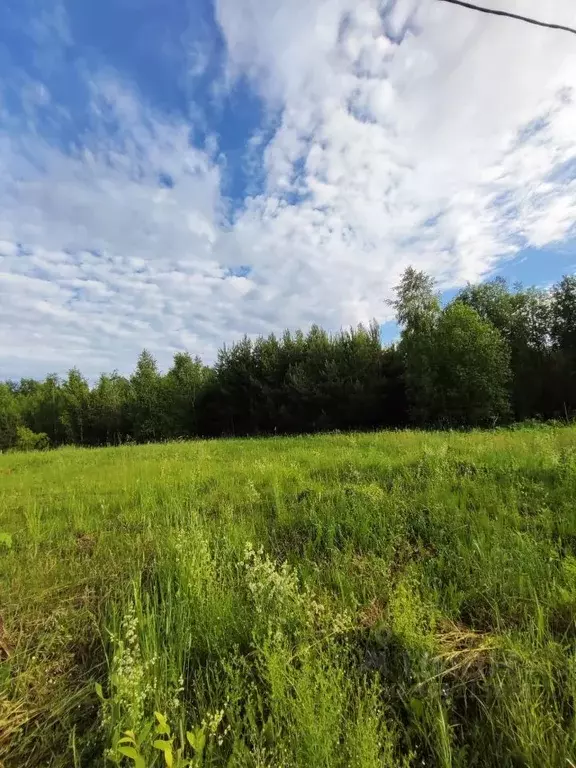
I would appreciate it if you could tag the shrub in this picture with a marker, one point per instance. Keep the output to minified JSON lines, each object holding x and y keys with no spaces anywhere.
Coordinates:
{"x":27,"y":440}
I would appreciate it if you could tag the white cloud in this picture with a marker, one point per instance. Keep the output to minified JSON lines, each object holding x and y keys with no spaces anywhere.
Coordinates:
{"x":444,"y":150}
{"x":149,"y":263}
{"x":404,"y":152}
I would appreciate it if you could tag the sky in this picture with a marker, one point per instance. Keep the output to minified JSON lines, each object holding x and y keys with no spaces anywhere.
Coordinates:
{"x":175,"y":174}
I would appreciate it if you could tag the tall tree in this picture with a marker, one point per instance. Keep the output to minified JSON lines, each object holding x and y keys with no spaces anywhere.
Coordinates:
{"x":563,"y":334}
{"x":522,"y":317}
{"x":182,"y":391}
{"x":76,"y":407}
{"x":564,"y":315}
{"x":451,"y":367}
{"x":145,"y":400}
{"x":110,"y":400}
{"x":233,"y":401}
{"x":9,"y":417}
{"x":457,"y":363}
{"x":417,"y":311}
{"x":417,"y":303}
{"x":44,"y":409}
{"x":470,"y":370}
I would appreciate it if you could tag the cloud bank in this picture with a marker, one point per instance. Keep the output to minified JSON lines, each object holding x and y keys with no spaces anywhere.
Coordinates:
{"x":392,"y":133}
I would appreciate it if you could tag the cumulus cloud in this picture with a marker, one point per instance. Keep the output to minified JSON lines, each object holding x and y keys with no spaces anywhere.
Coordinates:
{"x":405,"y":132}
{"x":412,"y":132}
{"x":101,"y":236}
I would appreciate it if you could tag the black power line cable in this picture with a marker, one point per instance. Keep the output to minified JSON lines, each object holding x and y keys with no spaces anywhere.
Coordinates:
{"x":509,"y":15}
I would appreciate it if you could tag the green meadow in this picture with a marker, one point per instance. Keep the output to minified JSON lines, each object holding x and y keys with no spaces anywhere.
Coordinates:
{"x":386,"y":599}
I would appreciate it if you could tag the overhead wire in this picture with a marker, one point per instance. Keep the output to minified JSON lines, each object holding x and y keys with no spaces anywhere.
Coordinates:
{"x":510,"y":15}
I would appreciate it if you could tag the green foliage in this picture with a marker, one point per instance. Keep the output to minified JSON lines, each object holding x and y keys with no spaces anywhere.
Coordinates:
{"x":183,"y":387}
{"x":76,"y":407}
{"x":144,"y":407}
{"x":457,"y":364}
{"x":417,"y":311}
{"x":564,"y":314}
{"x":470,"y":370}
{"x":564,"y":341}
{"x":108,"y":410}
{"x":491,"y":356}
{"x":44,"y":408}
{"x":523,"y":318}
{"x":303,"y":383}
{"x":26,"y":440}
{"x":159,"y":737}
{"x":417,"y":305}
{"x":9,"y":418}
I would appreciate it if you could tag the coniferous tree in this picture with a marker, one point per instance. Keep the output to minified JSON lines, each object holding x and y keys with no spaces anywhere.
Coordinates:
{"x":144,"y":408}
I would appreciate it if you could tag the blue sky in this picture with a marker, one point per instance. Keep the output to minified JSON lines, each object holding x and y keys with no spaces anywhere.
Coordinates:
{"x":176,"y":173}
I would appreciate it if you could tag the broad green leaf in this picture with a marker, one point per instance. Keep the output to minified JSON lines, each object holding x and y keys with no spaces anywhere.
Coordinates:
{"x":197,"y":740}
{"x":99,"y":692}
{"x":417,"y":707}
{"x":6,"y":539}
{"x":133,"y":754}
{"x":163,"y":744}
{"x":166,"y":747}
{"x":144,"y":733}
{"x":162,"y":729}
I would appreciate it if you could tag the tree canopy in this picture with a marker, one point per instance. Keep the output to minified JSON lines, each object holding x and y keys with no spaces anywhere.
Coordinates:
{"x":491,"y":355}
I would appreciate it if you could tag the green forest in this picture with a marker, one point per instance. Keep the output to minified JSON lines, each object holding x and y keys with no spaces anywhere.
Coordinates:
{"x":494,"y":354}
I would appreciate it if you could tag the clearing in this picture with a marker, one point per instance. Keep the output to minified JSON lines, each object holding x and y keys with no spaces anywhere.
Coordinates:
{"x":391,"y":599}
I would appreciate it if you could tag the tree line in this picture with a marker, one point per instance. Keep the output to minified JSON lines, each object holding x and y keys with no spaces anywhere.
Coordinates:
{"x":492,"y":355}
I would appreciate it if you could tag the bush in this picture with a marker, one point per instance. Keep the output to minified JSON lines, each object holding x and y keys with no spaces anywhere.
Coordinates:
{"x":27,"y":440}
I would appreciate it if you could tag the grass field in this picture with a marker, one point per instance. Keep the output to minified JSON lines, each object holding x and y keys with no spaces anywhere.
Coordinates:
{"x":401,"y":599}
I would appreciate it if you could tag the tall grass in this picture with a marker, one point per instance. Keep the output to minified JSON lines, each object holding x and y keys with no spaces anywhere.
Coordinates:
{"x":400,"y":599}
